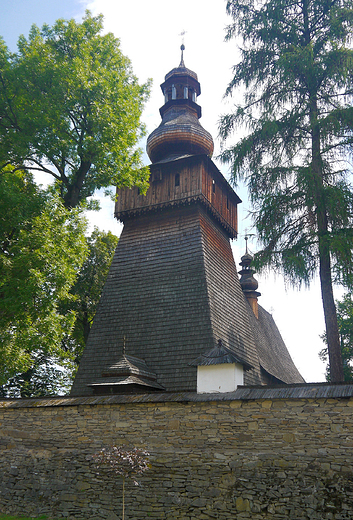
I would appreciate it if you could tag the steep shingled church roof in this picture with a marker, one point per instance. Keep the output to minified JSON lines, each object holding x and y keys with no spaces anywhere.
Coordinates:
{"x":173,"y":290}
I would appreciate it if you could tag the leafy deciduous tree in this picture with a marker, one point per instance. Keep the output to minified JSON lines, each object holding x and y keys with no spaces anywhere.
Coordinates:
{"x":70,"y":106}
{"x":47,"y":375}
{"x":296,"y":67}
{"x":42,"y":247}
{"x":50,"y":373}
{"x":86,"y":291}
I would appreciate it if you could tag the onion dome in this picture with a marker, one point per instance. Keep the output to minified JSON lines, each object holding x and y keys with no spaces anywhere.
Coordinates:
{"x":247,"y":280}
{"x":180,"y":132}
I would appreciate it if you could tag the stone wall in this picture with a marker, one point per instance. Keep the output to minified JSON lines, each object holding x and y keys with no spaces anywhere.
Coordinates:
{"x":211,"y":457}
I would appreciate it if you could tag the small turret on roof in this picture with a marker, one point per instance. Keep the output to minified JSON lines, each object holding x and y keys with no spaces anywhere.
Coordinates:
{"x":247,"y":281}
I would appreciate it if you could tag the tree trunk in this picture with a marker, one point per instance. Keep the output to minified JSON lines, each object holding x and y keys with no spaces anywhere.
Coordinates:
{"x":73,"y":195}
{"x":332,"y":334}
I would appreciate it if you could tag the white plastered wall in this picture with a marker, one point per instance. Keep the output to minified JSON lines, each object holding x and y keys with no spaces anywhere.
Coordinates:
{"x":219,"y":378}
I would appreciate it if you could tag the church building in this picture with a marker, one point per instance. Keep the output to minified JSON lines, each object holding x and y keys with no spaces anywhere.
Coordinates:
{"x":174,"y":315}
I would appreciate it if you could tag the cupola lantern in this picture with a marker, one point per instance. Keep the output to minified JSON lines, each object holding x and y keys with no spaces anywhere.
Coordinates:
{"x":180,"y":132}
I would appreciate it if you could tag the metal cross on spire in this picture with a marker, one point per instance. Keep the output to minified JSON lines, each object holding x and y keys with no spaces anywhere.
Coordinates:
{"x":247,"y":236}
{"x":182,"y":48}
{"x":182,"y":34}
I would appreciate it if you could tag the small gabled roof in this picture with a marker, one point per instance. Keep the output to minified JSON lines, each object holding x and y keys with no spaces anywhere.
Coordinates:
{"x":219,"y":355}
{"x":129,"y":364}
{"x":110,"y":383}
{"x":129,"y":370}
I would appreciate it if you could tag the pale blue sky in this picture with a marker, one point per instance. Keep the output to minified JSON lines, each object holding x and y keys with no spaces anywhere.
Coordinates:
{"x":17,"y":16}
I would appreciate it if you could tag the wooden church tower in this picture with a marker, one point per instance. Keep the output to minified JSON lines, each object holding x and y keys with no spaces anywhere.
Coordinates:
{"x":173,"y":293}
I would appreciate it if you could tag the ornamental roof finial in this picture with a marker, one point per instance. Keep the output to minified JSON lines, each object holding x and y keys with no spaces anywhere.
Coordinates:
{"x":247,"y":281}
{"x":247,"y":236}
{"x":182,"y":48}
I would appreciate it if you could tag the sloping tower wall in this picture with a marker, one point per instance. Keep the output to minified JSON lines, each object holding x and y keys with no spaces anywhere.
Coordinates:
{"x":172,"y":292}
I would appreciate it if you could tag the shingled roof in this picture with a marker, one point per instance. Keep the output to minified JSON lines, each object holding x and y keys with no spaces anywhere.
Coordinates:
{"x":172,"y":292}
{"x":173,"y":289}
{"x":220,"y":355}
{"x":273,"y":355}
{"x":128,"y":374}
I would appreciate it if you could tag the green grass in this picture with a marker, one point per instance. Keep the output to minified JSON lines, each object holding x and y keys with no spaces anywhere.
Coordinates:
{"x":6,"y":517}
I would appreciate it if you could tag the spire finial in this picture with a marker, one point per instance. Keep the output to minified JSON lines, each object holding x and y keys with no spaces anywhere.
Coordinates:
{"x":182,"y":48}
{"x":124,"y":346}
{"x":247,"y":236}
{"x":247,"y":281}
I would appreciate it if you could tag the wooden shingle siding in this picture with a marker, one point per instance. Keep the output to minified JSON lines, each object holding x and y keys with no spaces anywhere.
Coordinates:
{"x":228,"y":306}
{"x":172,"y":291}
{"x":197,"y":177}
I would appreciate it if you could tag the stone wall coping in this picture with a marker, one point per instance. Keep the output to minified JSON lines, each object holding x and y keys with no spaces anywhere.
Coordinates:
{"x":243,"y":393}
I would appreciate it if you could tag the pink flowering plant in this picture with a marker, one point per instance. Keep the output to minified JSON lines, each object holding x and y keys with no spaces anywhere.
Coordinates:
{"x":120,"y":460}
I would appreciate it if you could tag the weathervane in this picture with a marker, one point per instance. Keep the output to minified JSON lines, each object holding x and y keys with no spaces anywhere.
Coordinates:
{"x":182,"y":34}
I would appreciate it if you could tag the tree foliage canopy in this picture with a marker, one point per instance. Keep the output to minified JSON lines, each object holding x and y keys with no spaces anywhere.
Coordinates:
{"x":87,"y":289}
{"x":42,"y":246}
{"x":297,"y":69}
{"x":70,"y":106}
{"x":48,"y":295}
